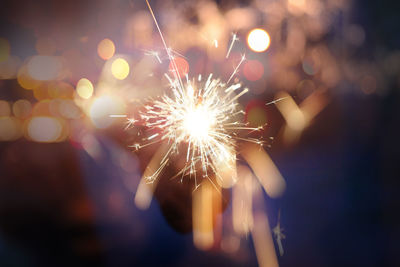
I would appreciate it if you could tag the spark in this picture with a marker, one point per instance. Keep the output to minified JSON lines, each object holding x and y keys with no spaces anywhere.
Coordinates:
{"x":203,"y":116}
{"x":118,"y":116}
{"x":278,"y":232}
{"x":276,"y":101}
{"x":235,"y":71}
{"x":215,"y":43}
{"x":129,"y":123}
{"x":155,"y":54}
{"x":234,"y":39}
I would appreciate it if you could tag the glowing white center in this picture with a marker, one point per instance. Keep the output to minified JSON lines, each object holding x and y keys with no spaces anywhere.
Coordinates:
{"x":197,"y":123}
{"x":258,"y":40}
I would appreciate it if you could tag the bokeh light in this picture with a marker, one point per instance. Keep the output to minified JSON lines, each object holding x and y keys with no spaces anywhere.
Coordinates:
{"x":22,"y":109}
{"x":84,"y":88}
{"x":258,"y":40}
{"x":253,"y":70}
{"x":41,"y":108}
{"x":60,"y":89}
{"x":68,"y":109}
{"x":41,"y":92}
{"x":120,"y":68}
{"x":25,"y":80}
{"x":181,"y":65}
{"x":44,"y":68}
{"x":44,"y":129}
{"x":102,"y":108}
{"x":106,"y":49}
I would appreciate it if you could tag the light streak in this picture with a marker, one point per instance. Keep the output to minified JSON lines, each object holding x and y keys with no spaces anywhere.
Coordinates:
{"x":278,"y":232}
{"x":234,"y":39}
{"x":154,"y":54}
{"x":237,"y":68}
{"x":118,"y":116}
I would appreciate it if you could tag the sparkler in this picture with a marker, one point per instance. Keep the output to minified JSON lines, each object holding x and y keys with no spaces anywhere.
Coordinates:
{"x":201,"y":116}
{"x":199,"y":122}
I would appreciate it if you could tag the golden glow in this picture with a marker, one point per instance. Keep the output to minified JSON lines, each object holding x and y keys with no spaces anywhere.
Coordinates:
{"x":120,"y":68}
{"x":25,"y":80}
{"x":106,"y":49}
{"x":22,"y":108}
{"x":84,"y":88}
{"x":44,"y":129}
{"x":258,"y":40}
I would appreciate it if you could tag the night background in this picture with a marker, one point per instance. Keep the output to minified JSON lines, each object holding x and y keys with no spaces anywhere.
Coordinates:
{"x":69,"y":176}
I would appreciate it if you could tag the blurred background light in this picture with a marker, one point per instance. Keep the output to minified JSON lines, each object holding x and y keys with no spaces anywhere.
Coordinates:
{"x":60,"y":89}
{"x":106,"y":49}
{"x":25,"y":80}
{"x":241,"y":18}
{"x":181,"y":64}
{"x":22,"y":108}
{"x":84,"y":88}
{"x":253,"y":70}
{"x":41,"y":108}
{"x":102,"y":108}
{"x":69,"y":110}
{"x":44,"y":129}
{"x":120,"y":68}
{"x":44,"y":68}
{"x":258,"y":40}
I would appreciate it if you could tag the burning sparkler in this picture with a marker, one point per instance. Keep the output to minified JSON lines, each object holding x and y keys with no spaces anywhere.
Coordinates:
{"x":199,"y":123}
{"x":203,"y":116}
